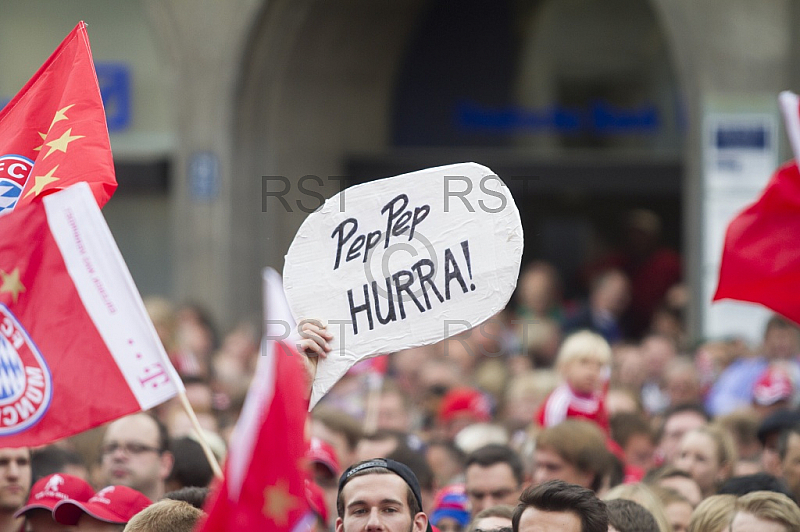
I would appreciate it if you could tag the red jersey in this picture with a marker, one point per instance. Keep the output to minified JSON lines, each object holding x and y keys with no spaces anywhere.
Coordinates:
{"x":564,"y":403}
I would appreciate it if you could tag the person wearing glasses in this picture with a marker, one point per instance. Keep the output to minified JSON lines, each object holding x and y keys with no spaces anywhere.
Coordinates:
{"x":494,"y":475}
{"x":135,"y":454}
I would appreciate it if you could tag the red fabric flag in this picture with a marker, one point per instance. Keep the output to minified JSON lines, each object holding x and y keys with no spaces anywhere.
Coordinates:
{"x":761,"y":257}
{"x":53,"y":132}
{"x":77,"y":348}
{"x":264,"y":486}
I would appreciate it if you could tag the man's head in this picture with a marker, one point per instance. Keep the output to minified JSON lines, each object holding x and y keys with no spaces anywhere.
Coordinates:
{"x":559,"y":506}
{"x":769,"y":435}
{"x":629,"y":516}
{"x":134,"y":454}
{"x":494,"y":475}
{"x":52,"y":459}
{"x":108,"y":510}
{"x":610,"y":292}
{"x":765,"y":511}
{"x":634,"y":434}
{"x":678,"y":421}
{"x":393,"y":408}
{"x":789,"y":453}
{"x":379,"y":444}
{"x":175,"y":516}
{"x":380,"y":493}
{"x":713,"y":514}
{"x":339,"y":429}
{"x":493,"y":519}
{"x":573,"y":451}
{"x":15,"y":478}
{"x":45,"y":494}
{"x":676,"y":479}
{"x":781,"y":339}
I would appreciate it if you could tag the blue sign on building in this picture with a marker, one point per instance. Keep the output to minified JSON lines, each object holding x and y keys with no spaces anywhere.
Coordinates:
{"x":204,"y":178}
{"x":114,"y":79}
{"x":115,"y":88}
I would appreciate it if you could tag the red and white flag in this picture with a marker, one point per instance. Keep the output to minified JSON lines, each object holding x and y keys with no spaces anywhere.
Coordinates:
{"x":77,"y":348}
{"x":53,"y":133}
{"x":761,"y":256}
{"x":264,"y":485}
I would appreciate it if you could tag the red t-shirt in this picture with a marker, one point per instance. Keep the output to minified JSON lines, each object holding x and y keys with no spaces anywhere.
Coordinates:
{"x":564,"y":403}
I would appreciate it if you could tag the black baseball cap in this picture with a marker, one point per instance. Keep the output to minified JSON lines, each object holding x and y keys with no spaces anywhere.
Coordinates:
{"x":398,"y":468}
{"x":777,"y":422}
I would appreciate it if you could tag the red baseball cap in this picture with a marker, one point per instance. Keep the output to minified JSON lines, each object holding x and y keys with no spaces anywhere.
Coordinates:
{"x":52,"y":489}
{"x":112,"y":504}
{"x":465,"y":401}
{"x":322,"y":452}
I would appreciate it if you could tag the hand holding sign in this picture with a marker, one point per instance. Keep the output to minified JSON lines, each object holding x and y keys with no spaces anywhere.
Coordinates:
{"x":405,"y":261}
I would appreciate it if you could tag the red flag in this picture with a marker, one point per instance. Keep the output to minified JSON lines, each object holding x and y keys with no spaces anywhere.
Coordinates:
{"x":264,"y":486}
{"x":77,"y":348}
{"x":53,"y":132}
{"x":761,"y":257}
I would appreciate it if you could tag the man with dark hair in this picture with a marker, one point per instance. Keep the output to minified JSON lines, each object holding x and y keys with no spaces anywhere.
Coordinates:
{"x":494,"y":475}
{"x":678,"y":420}
{"x":633,"y":433}
{"x":380,"y":443}
{"x":556,"y":506}
{"x":51,"y":459}
{"x":789,"y":454}
{"x":380,"y":494}
{"x":769,"y":433}
{"x":191,"y":467}
{"x":135,"y":454}
{"x":629,"y":516}
{"x":191,"y":494}
{"x":446,"y":461}
{"x":15,"y":482}
{"x":756,"y":482}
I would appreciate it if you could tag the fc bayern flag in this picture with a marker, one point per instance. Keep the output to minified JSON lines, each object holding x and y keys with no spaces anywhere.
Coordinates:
{"x":77,"y":348}
{"x":53,"y":133}
{"x":761,"y":257}
{"x":264,"y":485}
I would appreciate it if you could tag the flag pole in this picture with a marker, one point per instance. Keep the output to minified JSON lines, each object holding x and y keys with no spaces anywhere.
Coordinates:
{"x":374,"y":385}
{"x":201,"y":438}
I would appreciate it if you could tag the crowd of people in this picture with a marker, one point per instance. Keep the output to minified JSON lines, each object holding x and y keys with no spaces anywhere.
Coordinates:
{"x":594,"y":414}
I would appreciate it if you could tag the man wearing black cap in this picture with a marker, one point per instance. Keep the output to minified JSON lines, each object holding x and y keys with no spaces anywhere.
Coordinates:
{"x":769,"y":434}
{"x":380,"y":494}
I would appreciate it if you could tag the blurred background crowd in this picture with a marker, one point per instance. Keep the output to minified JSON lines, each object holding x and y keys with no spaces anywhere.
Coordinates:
{"x":629,"y":405}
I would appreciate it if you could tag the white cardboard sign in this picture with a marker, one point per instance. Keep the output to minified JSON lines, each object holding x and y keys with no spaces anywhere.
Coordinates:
{"x":404,"y":262}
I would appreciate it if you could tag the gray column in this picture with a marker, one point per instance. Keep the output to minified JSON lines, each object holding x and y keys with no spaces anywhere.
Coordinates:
{"x":204,"y":42}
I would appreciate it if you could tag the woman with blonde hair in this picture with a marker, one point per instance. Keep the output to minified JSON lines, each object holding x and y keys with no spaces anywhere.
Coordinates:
{"x":714,"y":514}
{"x":643,"y":495}
{"x":708,"y":454}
